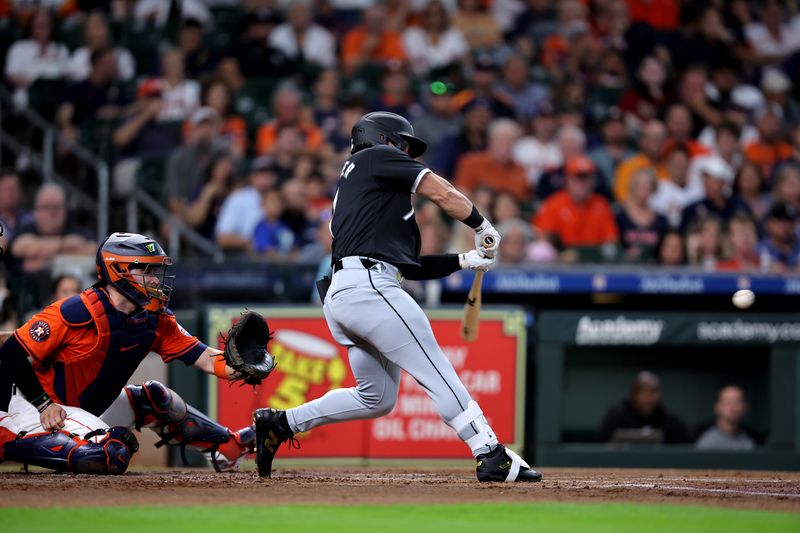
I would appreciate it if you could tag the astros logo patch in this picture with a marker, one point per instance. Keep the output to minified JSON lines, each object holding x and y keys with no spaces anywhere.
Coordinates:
{"x":39,"y":331}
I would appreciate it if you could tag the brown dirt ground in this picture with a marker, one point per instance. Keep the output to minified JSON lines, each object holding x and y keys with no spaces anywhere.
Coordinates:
{"x":323,"y":485}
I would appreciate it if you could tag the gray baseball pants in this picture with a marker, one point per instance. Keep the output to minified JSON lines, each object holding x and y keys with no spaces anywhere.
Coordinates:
{"x":385,"y":332}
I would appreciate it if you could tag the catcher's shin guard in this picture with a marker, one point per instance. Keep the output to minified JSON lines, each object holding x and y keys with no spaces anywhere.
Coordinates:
{"x":165,"y":412}
{"x":67,"y":452}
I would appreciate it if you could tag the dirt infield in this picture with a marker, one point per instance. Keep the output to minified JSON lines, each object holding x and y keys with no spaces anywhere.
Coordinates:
{"x":755,"y":490}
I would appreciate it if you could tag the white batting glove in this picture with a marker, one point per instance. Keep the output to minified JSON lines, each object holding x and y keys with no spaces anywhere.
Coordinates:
{"x":475,"y":261}
{"x":482,"y":231}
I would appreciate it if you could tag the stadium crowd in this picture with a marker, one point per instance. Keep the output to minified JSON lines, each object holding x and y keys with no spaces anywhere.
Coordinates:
{"x":635,"y":131}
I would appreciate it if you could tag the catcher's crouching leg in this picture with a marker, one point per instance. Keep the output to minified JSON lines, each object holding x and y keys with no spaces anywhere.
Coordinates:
{"x":165,"y":412}
{"x":66,"y":452}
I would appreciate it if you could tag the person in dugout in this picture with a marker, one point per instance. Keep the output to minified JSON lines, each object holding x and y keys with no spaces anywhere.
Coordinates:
{"x":65,"y":401}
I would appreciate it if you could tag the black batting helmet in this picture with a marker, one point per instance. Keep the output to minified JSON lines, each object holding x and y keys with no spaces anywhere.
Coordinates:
{"x":136,"y":266}
{"x":381,"y":127}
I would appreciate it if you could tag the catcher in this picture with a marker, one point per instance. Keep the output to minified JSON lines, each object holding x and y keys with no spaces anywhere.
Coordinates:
{"x":73,"y":409}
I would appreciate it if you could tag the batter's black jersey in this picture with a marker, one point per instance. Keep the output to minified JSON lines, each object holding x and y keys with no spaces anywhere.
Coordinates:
{"x":372,"y":211}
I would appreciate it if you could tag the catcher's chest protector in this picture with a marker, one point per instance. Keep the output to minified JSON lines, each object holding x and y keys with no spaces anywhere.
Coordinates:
{"x":103,"y":350}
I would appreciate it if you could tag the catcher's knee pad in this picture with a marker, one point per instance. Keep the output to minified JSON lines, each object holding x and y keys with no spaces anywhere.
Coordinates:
{"x":66,"y":452}
{"x":154,"y":404}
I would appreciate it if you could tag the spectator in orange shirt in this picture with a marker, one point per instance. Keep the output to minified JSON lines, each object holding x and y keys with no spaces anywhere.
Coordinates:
{"x":495,"y":167}
{"x":651,"y":152}
{"x":769,"y":148}
{"x":286,"y":105}
{"x":371,"y":42}
{"x":577,"y":216}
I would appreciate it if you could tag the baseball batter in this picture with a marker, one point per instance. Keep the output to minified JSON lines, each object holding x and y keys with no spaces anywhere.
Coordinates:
{"x":376,"y":243}
{"x":73,"y":410}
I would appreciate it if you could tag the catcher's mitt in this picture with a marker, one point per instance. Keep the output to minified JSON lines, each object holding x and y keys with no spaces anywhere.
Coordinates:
{"x":246,"y":349}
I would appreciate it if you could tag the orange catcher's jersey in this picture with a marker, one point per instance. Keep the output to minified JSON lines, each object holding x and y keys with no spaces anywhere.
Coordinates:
{"x":84,"y":351}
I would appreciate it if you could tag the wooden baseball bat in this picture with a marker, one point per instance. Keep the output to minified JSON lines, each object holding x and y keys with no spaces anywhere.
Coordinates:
{"x":472,"y":307}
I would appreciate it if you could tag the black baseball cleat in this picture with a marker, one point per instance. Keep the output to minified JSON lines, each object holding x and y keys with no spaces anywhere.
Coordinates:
{"x":272,"y":430}
{"x":498,"y":465}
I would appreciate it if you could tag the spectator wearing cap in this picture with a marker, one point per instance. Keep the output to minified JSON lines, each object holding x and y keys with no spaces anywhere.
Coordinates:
{"x":471,"y":138}
{"x":254,"y":51}
{"x":218,"y":96}
{"x":38,"y":56}
{"x":571,"y":143}
{"x":301,"y":40}
{"x":50,"y":233}
{"x":777,"y":87}
{"x":770,"y":148}
{"x":440,"y":120}
{"x":741,"y":245}
{"x":96,"y":36}
{"x":576,"y":216}
{"x":678,"y":121}
{"x":484,"y":85}
{"x":188,"y":166}
{"x":495,"y":167}
{"x":287,"y":107}
{"x":198,"y":59}
{"x":614,"y":148}
{"x":776,"y":36}
{"x":674,"y":194}
{"x":651,"y":153}
{"x":640,"y":227}
{"x":435,"y":43}
{"x":371,"y":42}
{"x":780,"y":249}
{"x":719,"y":201}
{"x":97,"y":97}
{"x":242,"y":210}
{"x":477,"y":25}
{"x":12,"y":215}
{"x":540,"y":151}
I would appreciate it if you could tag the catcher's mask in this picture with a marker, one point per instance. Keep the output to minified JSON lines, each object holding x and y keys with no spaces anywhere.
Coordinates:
{"x":382,"y":127}
{"x":136,"y":266}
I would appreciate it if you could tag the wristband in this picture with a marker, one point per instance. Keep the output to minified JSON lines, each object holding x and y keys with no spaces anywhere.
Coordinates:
{"x":475,"y":219}
{"x":42,"y":402}
{"x":219,"y":367}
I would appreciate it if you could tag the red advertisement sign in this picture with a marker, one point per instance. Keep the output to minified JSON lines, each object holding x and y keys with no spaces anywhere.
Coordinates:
{"x":310,"y":363}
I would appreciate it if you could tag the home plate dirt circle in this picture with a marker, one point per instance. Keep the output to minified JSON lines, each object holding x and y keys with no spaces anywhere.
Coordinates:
{"x":753,"y":490}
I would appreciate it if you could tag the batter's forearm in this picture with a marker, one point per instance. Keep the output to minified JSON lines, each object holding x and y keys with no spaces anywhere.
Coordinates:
{"x":442,"y":193}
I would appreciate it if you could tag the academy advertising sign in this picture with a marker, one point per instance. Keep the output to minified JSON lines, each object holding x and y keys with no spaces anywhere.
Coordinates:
{"x":310,"y":363}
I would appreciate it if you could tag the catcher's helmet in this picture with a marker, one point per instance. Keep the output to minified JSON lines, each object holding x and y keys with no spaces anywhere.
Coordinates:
{"x":136,"y":266}
{"x":381,"y":127}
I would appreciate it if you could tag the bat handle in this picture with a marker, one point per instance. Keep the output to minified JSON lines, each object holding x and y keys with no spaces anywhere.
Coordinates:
{"x":486,"y":243}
